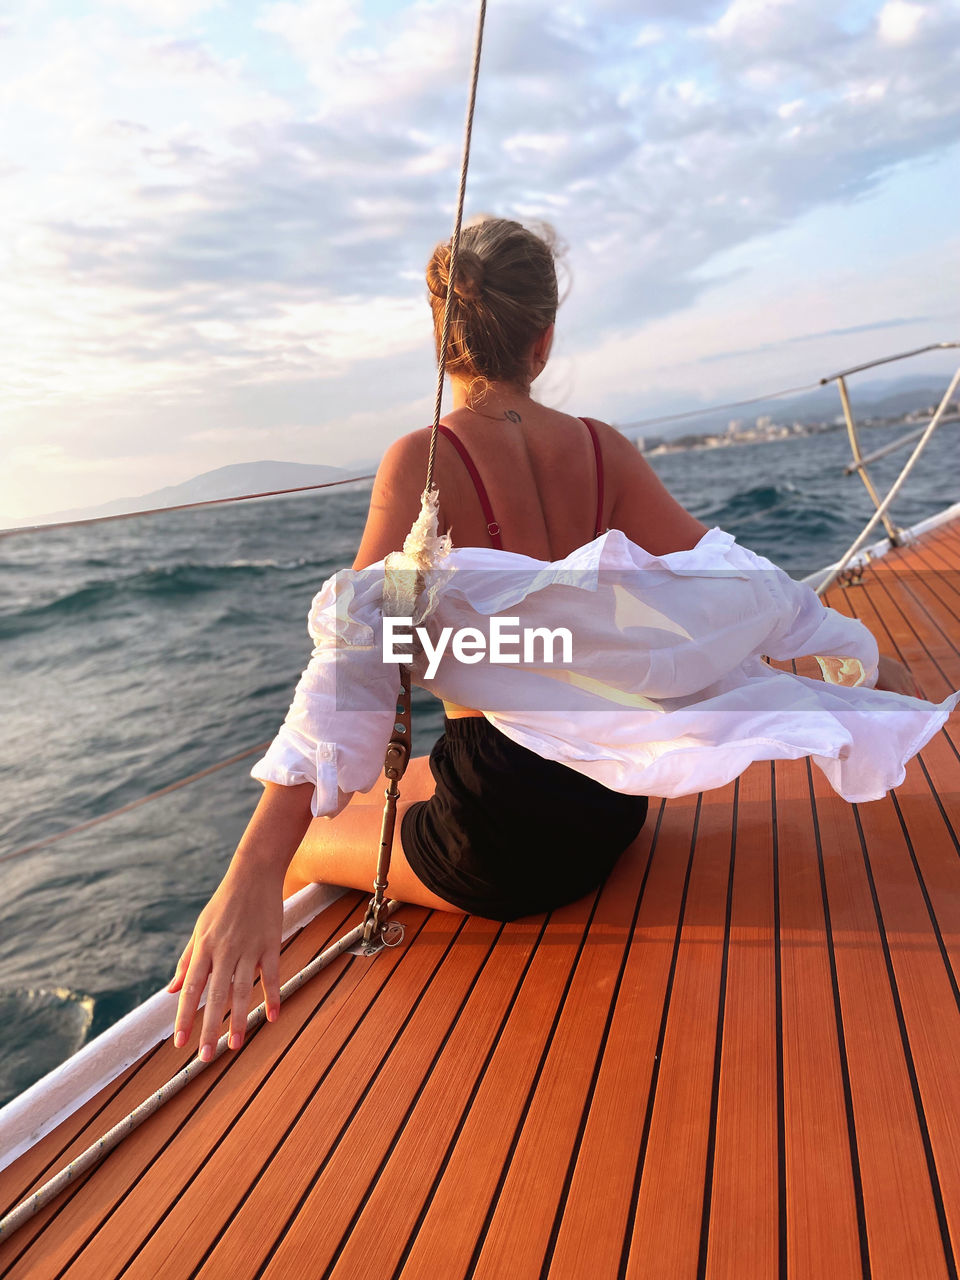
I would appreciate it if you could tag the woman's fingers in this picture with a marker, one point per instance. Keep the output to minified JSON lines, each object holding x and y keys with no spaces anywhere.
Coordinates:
{"x":270,"y":980}
{"x":238,"y":932}
{"x":182,"y":965}
{"x":218,"y":999}
{"x":240,"y":1004}
{"x":194,"y":980}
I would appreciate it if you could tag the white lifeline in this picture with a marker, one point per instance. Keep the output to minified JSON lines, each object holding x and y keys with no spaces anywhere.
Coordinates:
{"x":666,"y":693}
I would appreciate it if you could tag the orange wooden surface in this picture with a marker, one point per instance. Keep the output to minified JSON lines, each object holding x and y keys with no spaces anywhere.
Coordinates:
{"x":526,"y":1206}
{"x":388,"y":1216}
{"x":240,"y":1108}
{"x":311,"y":1240}
{"x":593,"y":1225}
{"x":821,"y":1163}
{"x":456,"y":1214}
{"x":664,"y":1237}
{"x":742,"y":1227}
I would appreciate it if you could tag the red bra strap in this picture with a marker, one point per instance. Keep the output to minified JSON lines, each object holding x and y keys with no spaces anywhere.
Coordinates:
{"x":493,"y":528}
{"x":596,"y":449}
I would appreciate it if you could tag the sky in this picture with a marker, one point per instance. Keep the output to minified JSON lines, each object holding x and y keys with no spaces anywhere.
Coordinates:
{"x":216,"y":214}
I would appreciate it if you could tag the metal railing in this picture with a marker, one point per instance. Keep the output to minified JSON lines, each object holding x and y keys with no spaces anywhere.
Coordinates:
{"x":861,"y":461}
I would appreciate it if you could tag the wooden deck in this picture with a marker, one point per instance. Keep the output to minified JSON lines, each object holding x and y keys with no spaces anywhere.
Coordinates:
{"x":740,"y":1059}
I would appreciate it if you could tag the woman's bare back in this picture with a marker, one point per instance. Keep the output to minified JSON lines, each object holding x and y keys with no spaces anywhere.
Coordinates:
{"x":539,"y":471}
{"x":540,"y":475}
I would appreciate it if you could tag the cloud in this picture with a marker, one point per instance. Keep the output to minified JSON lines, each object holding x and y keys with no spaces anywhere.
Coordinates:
{"x":896,"y":322}
{"x":186,"y":211}
{"x":899,"y":22}
{"x":166,"y":13}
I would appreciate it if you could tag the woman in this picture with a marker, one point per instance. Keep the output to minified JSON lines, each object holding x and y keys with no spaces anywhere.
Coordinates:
{"x":484,"y":825}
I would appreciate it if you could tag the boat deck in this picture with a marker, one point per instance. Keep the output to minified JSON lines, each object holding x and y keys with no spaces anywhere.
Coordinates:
{"x":739,"y":1059}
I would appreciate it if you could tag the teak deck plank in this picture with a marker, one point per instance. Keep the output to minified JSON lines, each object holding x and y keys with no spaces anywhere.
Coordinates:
{"x":900,"y":1209}
{"x":821,"y":1174}
{"x":920,"y":944}
{"x":741,"y":1228}
{"x":736,"y":1061}
{"x":667,"y":1221}
{"x":387,"y":1219}
{"x":903,"y":1204}
{"x":310,"y":1242}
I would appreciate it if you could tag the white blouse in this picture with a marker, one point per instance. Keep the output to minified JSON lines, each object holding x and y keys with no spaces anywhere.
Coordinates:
{"x":662,"y":691}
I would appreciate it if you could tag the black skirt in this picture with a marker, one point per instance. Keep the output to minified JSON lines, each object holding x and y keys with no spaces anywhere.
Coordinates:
{"x":509,"y":834}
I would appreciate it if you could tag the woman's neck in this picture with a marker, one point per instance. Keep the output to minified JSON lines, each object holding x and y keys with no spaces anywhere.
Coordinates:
{"x":503,"y":402}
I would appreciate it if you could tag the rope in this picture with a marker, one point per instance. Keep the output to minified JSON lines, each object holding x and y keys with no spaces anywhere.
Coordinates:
{"x":107,"y":1141}
{"x":180,"y":506}
{"x":455,"y":247}
{"x":125,"y":808}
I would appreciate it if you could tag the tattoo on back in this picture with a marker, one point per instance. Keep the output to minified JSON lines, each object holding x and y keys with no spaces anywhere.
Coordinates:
{"x":512,"y":416}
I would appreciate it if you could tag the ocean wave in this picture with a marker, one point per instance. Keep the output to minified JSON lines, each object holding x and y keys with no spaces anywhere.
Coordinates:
{"x":188,"y":578}
{"x":780,"y":509}
{"x":51,"y":1024}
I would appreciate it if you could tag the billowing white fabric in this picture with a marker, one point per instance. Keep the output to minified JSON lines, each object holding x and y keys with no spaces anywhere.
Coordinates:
{"x":666,"y":693}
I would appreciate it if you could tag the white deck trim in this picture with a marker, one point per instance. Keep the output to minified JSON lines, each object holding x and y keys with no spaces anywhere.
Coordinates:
{"x":39,"y":1109}
{"x":880,"y":548}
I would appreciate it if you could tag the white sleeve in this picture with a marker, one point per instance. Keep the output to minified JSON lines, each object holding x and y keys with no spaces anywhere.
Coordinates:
{"x":336,"y":730}
{"x":845,"y":649}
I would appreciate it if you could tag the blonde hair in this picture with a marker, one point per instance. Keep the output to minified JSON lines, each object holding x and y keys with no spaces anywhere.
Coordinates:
{"x":505,"y":294}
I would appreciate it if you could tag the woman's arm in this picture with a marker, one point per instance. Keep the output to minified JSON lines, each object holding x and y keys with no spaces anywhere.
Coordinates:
{"x":239,"y":930}
{"x":395,"y":498}
{"x":895,"y":677}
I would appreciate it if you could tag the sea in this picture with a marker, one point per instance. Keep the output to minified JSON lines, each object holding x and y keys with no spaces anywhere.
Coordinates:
{"x":137,"y":652}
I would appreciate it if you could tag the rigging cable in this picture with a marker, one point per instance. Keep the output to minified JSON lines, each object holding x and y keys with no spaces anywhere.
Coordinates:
{"x":180,"y":506}
{"x":455,"y":247}
{"x":133,"y":804}
{"x":400,"y":745}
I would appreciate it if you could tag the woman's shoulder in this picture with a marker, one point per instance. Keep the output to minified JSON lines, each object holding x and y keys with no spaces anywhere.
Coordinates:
{"x":610,"y":437}
{"x":641,"y":506}
{"x":395,"y":497}
{"x":405,"y":451}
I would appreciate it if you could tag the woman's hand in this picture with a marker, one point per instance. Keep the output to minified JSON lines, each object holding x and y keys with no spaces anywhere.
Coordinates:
{"x":894,"y":677}
{"x":237,"y":933}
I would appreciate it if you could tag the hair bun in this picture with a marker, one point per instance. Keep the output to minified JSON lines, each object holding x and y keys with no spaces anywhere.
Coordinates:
{"x":468,"y":283}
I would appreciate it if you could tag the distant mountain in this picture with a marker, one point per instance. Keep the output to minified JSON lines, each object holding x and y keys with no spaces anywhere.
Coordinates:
{"x":871,"y":399}
{"x":224,"y":482}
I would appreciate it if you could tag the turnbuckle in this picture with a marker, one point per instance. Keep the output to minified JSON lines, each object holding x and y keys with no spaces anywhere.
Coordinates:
{"x":379,"y":933}
{"x":389,"y":934}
